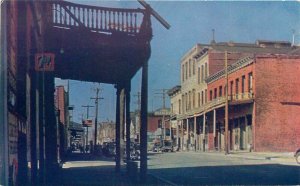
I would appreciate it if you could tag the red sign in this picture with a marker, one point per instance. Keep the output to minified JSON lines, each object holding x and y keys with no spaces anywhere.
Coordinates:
{"x":44,"y":62}
{"x":87,"y":122}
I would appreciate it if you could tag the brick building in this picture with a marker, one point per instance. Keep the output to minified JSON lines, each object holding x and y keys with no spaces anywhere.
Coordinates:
{"x":263,"y":93}
{"x":251,"y":96}
{"x":62,"y":108}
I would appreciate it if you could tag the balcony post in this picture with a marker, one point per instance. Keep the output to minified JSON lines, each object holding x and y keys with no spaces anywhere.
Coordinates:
{"x":195,"y":133}
{"x":144,"y":123}
{"x":117,"y":159}
{"x":188,"y":135}
{"x":204,"y":120}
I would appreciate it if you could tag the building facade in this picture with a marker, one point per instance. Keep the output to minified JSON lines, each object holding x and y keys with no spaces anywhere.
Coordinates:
{"x":203,"y":95}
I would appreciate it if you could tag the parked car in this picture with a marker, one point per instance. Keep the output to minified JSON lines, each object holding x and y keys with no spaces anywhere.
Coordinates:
{"x":167,"y":146}
{"x":297,"y":156}
{"x":156,"y":147}
{"x":109,"y":149}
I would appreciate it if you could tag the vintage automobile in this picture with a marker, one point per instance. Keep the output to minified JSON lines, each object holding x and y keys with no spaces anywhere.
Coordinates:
{"x":167,"y":146}
{"x":297,"y":156}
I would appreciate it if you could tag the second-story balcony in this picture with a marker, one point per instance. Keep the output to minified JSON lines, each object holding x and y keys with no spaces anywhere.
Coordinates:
{"x":97,"y":44}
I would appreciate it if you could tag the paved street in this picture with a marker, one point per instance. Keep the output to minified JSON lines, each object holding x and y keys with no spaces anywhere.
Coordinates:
{"x":186,"y":168}
{"x":191,"y":168}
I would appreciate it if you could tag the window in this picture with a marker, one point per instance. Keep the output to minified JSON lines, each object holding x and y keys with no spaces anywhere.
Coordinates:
{"x":210,"y":95}
{"x":198,"y":99}
{"x":194,"y":98}
{"x":206,"y":73}
{"x":182,"y":73}
{"x":190,"y":66}
{"x":215,"y":93}
{"x":220,"y":91}
{"x":198,"y":75}
{"x":186,"y":102}
{"x":194,"y":67}
{"x":250,"y":83}
{"x":172,"y":109}
{"x":205,"y":95}
{"x":202,"y":97}
{"x":183,"y":102}
{"x":237,"y":86}
{"x":179,"y":106}
{"x":159,"y":123}
{"x":202,"y":74}
{"x":186,"y":70}
{"x":190,"y":102}
{"x":231,"y":88}
{"x":243,"y":84}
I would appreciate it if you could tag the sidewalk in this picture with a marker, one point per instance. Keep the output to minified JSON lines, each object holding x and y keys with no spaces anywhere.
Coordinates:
{"x":87,"y":169}
{"x":285,"y":157}
{"x":280,"y":157}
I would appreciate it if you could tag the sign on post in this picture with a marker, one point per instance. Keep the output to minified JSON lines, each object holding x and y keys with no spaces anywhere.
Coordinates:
{"x":44,"y":62}
{"x":87,"y":123}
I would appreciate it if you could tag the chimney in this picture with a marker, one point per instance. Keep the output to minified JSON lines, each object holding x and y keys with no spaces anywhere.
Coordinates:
{"x":213,"y":37}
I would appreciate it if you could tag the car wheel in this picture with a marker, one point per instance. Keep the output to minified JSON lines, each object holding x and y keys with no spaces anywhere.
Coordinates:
{"x":298,"y":157}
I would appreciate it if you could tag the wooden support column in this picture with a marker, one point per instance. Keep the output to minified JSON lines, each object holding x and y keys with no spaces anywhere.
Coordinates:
{"x":195,"y":133}
{"x":127,"y":94}
{"x":144,"y":123}
{"x":204,"y":120}
{"x":214,"y":127}
{"x":118,"y":130}
{"x":188,"y":135}
{"x":177,"y":134}
{"x":51,"y":163}
{"x":182,"y":135}
{"x":33,"y":127}
{"x":214,"y":123}
{"x":122,"y":125}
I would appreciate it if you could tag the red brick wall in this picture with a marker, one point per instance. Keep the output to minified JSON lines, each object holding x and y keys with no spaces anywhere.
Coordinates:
{"x":60,"y":102}
{"x":277,"y":122}
{"x":217,"y":60}
{"x":232,"y":77}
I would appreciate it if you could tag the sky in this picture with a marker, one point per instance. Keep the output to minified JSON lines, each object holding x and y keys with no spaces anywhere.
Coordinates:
{"x":191,"y":23}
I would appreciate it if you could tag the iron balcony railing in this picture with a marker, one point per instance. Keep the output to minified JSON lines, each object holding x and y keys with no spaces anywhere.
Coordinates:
{"x":99,"y":19}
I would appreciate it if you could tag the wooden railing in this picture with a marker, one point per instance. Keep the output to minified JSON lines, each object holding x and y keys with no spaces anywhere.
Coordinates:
{"x":99,"y":19}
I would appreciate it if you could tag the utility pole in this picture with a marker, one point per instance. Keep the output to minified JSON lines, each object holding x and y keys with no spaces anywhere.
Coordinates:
{"x":226,"y":104}
{"x":163,"y":93}
{"x":87,"y":117}
{"x":97,"y":98}
{"x":138,"y":95}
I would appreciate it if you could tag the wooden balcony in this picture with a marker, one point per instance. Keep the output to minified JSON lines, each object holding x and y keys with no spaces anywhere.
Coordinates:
{"x":97,"y":44}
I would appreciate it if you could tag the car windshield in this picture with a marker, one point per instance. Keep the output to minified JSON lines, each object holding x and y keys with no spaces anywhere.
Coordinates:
{"x":168,"y":143}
